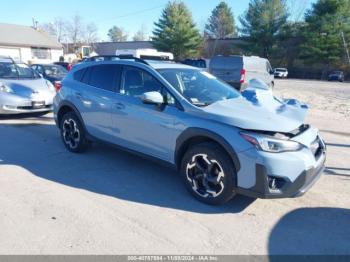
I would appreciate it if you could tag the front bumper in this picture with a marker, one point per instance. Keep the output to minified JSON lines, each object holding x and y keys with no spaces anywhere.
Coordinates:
{"x":269,"y":186}
{"x":291,"y":189}
{"x":23,"y":109}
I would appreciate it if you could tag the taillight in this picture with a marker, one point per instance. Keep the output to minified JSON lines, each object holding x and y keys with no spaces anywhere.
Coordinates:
{"x":58,"y":85}
{"x":242,"y":76}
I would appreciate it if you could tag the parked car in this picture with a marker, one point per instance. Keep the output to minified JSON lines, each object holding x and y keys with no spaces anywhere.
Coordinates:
{"x":22,"y":90}
{"x":239,"y":70}
{"x":53,"y":73}
{"x":281,"y":72}
{"x":223,"y":142}
{"x":145,"y":53}
{"x":336,"y":76}
{"x":200,"y":63}
{"x":66,"y":65}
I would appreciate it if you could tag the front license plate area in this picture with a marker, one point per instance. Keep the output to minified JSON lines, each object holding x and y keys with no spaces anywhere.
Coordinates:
{"x":38,"y":104}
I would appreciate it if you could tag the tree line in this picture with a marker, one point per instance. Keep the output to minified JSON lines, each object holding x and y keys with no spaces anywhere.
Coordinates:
{"x":266,"y":29}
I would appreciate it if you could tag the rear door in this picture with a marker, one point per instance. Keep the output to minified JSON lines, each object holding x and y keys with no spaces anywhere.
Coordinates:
{"x":227,"y":69}
{"x":93,"y":97}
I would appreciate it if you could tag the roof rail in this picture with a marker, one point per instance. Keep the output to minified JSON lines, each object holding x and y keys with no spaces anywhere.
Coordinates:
{"x":113,"y":58}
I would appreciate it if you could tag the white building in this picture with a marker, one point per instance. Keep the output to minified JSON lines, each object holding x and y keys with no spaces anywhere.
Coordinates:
{"x":26,"y":44}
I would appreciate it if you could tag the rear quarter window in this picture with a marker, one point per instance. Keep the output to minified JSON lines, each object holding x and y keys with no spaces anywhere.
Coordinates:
{"x":106,"y":77}
{"x":78,"y":76}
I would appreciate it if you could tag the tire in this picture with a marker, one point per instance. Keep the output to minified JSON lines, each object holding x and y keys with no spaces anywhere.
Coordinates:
{"x":217,"y":185}
{"x":73,"y":133}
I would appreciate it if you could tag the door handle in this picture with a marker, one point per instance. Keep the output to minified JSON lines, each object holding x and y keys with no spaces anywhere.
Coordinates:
{"x":119,"y":106}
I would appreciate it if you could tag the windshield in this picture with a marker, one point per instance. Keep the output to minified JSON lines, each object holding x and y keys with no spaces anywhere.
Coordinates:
{"x":199,"y":87}
{"x":280,"y":70}
{"x":55,"y":70}
{"x":17,"y":71}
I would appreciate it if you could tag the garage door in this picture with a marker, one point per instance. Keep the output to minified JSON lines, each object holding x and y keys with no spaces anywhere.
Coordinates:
{"x":12,"y":52}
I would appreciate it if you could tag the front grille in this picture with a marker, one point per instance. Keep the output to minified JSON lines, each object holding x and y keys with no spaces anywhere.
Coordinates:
{"x":31,"y":107}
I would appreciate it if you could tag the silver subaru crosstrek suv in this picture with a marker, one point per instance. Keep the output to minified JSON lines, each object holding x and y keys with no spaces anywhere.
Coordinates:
{"x":222,"y":142}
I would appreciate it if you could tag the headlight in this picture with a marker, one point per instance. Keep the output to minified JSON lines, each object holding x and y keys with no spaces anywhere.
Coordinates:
{"x":5,"y":88}
{"x":50,"y":85}
{"x":270,"y":144}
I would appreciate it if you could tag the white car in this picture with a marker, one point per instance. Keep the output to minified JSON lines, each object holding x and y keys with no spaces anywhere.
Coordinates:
{"x":22,"y":90}
{"x":281,"y":73}
{"x":146,"y":54}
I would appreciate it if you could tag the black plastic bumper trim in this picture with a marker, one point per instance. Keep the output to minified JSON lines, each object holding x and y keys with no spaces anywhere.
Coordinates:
{"x":290,"y":190}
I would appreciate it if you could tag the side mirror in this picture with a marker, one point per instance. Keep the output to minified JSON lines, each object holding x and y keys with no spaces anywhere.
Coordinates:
{"x":153,"y":98}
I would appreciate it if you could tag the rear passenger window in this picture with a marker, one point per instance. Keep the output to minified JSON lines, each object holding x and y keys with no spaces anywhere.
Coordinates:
{"x":86,"y":76}
{"x":78,"y":76}
{"x":106,"y":77}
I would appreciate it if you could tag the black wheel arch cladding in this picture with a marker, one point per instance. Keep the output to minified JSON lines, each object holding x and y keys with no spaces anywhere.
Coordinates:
{"x":66,"y":104}
{"x":191,"y":134}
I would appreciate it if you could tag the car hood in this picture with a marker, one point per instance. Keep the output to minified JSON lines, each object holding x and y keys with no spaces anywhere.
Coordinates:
{"x":27,"y":87}
{"x":257,"y":109}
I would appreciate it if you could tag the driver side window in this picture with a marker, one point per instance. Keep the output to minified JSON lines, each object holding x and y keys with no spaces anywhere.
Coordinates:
{"x":136,"y":82}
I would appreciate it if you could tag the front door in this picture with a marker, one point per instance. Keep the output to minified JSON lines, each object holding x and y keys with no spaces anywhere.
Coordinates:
{"x":145,"y":128}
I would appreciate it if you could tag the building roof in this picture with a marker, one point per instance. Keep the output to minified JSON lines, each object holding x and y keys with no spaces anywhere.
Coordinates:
{"x":26,"y":36}
{"x":109,"y":48}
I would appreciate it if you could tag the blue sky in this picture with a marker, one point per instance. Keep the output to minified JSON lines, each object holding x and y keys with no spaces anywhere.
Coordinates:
{"x":129,"y":14}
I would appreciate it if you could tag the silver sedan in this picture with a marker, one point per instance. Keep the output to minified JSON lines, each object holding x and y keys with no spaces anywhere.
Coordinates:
{"x":22,"y":90}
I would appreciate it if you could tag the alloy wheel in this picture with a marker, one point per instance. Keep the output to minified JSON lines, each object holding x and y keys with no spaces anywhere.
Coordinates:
{"x":206,"y":176}
{"x":71,"y":133}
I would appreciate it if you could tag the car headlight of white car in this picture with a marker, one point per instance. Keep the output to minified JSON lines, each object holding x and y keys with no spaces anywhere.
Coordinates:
{"x":271,"y":144}
{"x":5,"y":88}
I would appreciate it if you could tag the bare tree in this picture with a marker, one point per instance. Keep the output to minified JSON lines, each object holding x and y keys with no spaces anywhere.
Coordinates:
{"x":75,"y":30}
{"x":141,"y":34}
{"x":91,"y":34}
{"x":57,"y":28}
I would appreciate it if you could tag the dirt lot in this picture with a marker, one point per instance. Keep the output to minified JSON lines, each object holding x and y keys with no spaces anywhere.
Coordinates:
{"x":110,"y":202}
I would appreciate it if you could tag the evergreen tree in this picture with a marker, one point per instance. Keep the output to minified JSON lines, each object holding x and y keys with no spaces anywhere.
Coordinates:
{"x":221,"y":23}
{"x":327,"y":21}
{"x":176,"y":32}
{"x":261,"y":24}
{"x":117,"y":34}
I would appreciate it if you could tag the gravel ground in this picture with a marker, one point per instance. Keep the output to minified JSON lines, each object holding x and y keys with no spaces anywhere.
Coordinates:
{"x":110,"y":202}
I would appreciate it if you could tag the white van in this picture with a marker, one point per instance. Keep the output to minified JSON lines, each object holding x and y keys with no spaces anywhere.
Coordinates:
{"x":239,"y":70}
{"x":146,"y":54}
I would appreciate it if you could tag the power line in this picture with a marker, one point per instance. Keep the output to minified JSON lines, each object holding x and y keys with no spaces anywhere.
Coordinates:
{"x":134,"y":13}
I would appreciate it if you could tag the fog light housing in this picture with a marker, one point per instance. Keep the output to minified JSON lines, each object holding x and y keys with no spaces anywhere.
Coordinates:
{"x":276,"y":184}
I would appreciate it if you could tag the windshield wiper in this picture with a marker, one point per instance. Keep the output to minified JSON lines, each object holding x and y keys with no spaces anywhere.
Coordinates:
{"x":201,"y":104}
